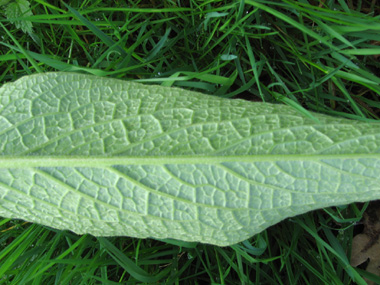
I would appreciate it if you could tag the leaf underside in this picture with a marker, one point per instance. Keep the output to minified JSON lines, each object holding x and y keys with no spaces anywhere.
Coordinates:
{"x":114,"y":158}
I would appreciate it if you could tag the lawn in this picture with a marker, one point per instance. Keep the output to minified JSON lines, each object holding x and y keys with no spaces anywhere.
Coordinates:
{"x":320,"y":56}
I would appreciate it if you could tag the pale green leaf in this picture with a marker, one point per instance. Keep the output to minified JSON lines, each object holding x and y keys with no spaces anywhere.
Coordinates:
{"x":112,"y":158}
{"x":228,"y":57}
{"x":15,"y":11}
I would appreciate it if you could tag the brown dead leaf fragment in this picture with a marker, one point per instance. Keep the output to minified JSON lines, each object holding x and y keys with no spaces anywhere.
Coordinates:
{"x":367,"y":244}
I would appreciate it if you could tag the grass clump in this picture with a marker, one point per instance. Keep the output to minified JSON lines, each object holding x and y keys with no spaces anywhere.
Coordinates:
{"x":312,"y":55}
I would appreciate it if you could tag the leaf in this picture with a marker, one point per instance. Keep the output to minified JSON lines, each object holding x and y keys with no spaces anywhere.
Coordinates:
{"x":228,"y":57}
{"x":4,"y":2}
{"x":113,"y":158}
{"x":15,"y":10}
{"x":367,"y":244}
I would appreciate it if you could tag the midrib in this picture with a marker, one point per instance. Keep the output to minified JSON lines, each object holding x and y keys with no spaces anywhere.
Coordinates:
{"x":102,"y":161}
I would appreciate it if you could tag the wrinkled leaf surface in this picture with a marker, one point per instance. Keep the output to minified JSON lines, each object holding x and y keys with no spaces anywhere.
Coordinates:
{"x":110,"y":158}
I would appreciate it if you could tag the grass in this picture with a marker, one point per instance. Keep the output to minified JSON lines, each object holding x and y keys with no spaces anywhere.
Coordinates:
{"x":312,"y":55}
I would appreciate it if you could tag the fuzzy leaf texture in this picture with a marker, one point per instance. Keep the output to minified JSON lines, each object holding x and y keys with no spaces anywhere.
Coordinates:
{"x":114,"y":158}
